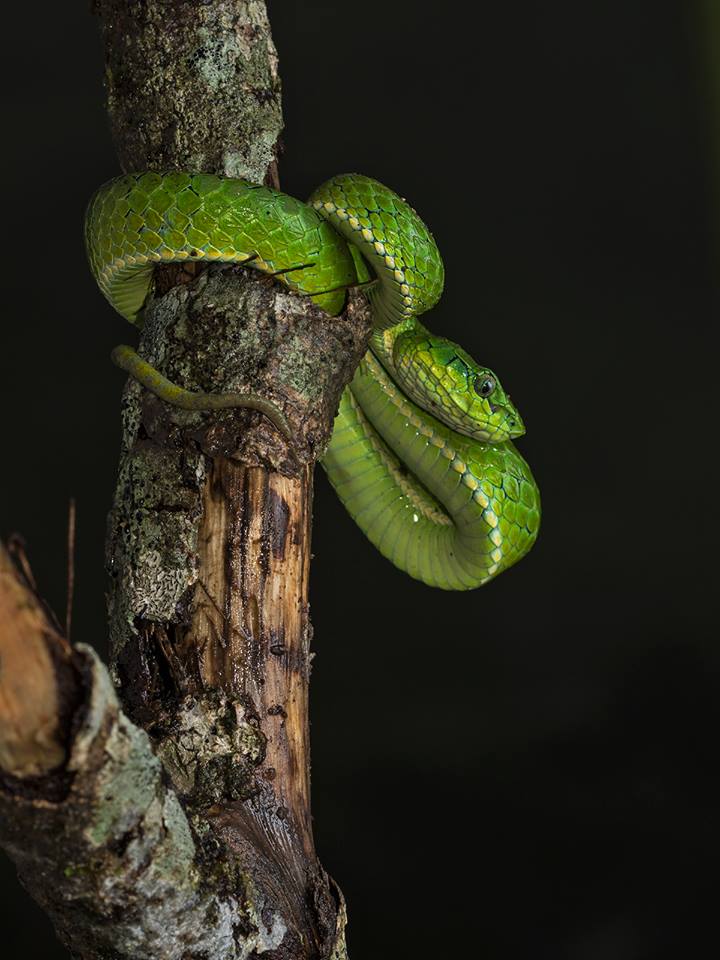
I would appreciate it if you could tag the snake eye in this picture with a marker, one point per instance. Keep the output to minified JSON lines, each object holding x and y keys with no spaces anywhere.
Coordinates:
{"x":484,"y":386}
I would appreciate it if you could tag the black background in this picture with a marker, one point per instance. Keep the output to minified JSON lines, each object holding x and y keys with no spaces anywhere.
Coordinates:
{"x":528,"y":770}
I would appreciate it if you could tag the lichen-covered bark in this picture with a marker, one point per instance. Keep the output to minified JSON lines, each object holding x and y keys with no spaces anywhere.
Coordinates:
{"x":228,"y":329}
{"x":178,"y":827}
{"x":209,"y":557}
{"x":119,"y":839}
{"x":192,"y":85}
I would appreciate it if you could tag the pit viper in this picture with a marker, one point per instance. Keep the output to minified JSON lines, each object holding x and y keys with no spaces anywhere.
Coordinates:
{"x":421,"y":454}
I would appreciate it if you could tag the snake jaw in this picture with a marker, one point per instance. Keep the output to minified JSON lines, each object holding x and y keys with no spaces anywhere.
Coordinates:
{"x":509,"y":432}
{"x":516,"y":430}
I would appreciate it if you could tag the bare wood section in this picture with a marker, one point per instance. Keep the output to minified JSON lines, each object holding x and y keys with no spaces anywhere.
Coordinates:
{"x":251,"y":622}
{"x":36,"y":679}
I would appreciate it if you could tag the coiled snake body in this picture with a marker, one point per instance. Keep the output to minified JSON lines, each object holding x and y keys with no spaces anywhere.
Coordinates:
{"x":421,"y":453}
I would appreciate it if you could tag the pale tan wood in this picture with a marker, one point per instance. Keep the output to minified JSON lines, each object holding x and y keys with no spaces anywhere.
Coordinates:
{"x":251,"y":625}
{"x":31,"y":741}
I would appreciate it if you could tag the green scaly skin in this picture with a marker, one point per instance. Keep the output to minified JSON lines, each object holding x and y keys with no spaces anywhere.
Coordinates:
{"x":421,"y":452}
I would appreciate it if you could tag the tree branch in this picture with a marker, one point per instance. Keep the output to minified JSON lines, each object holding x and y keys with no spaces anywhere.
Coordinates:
{"x":114,"y":860}
{"x":181,"y":828}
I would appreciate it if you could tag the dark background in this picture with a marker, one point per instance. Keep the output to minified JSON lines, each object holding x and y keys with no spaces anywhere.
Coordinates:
{"x":529,"y":770}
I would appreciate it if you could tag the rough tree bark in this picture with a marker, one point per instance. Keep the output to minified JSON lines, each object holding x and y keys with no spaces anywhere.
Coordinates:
{"x":178,"y":825}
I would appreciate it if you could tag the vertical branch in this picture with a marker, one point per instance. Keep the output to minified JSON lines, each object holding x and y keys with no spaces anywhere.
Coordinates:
{"x":209,"y":536}
{"x":192,"y":85}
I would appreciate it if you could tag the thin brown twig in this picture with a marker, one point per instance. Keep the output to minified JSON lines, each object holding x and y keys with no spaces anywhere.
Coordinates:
{"x":17,"y":548}
{"x":72,"y":515}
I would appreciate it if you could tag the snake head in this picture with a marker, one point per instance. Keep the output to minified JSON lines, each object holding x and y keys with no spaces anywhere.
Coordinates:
{"x":443,"y":379}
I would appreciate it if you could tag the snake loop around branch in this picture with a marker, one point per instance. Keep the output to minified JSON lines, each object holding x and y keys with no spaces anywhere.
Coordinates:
{"x":421,"y":453}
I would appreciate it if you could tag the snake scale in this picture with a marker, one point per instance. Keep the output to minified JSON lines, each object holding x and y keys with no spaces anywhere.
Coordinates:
{"x":421,"y":453}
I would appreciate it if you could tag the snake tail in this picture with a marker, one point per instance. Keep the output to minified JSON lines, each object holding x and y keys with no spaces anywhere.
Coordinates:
{"x":131,"y":362}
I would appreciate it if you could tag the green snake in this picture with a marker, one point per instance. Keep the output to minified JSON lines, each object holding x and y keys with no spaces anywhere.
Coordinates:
{"x":421,"y":453}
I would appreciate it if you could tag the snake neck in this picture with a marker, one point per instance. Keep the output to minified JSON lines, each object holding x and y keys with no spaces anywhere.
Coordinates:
{"x":382,"y":343}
